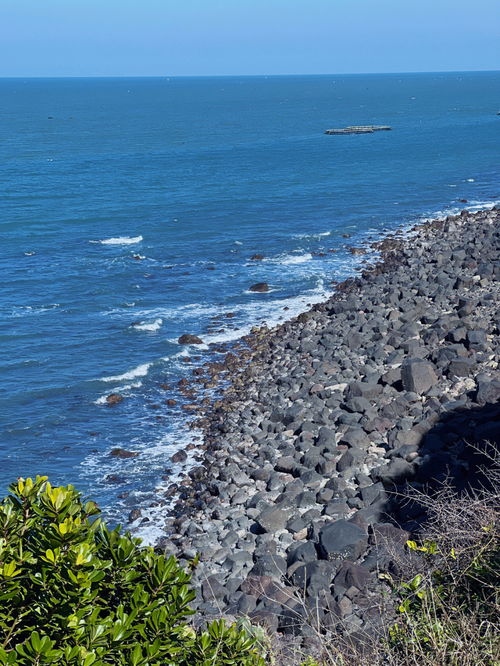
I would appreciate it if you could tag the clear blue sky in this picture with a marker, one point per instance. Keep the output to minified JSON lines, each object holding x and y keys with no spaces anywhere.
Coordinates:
{"x":208,"y":37}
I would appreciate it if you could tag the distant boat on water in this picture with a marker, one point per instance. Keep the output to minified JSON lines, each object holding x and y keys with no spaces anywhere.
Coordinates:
{"x":359,"y":129}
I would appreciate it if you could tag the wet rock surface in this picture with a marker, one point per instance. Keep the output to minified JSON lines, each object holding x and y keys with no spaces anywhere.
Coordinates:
{"x":291,"y":502}
{"x":113,"y":399}
{"x":259,"y":287}
{"x":188,"y":339}
{"x":123,"y":453}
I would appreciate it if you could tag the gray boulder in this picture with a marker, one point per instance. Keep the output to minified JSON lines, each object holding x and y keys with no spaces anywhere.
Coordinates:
{"x":418,"y":375}
{"x":487,"y":391}
{"x":273,"y":519}
{"x":342,"y":540}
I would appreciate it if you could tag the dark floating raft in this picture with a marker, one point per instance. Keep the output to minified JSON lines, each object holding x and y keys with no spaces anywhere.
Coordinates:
{"x":359,"y":129}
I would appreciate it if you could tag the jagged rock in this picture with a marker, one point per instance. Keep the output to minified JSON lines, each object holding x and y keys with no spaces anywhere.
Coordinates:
{"x":487,"y":391}
{"x":342,"y":540}
{"x":256,"y":585}
{"x":356,"y":438}
{"x":273,"y":519}
{"x":134,"y":515}
{"x":123,"y":453}
{"x":285,"y":464}
{"x":461,"y":367}
{"x":418,"y":375}
{"x":246,"y":604}
{"x":188,"y":339}
{"x":179,"y":457}
{"x":212,"y":589}
{"x":114,"y":399}
{"x":373,"y":493}
{"x":259,"y":287}
{"x":397,"y":471}
{"x":366,"y":390}
{"x":476,"y":338}
{"x":269,"y":565}
{"x":351,"y":575}
{"x":315,"y":576}
{"x":305,"y":552}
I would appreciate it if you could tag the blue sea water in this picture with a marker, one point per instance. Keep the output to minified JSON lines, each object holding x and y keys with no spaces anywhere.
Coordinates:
{"x":118,"y":197}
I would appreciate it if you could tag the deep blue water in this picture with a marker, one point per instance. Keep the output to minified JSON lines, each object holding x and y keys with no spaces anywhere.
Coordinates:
{"x":199,"y":172}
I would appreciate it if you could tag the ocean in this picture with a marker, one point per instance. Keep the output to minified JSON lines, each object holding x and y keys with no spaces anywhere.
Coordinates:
{"x":131,"y":208}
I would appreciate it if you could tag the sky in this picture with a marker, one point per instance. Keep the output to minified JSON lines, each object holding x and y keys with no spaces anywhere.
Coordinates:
{"x":246,"y":37}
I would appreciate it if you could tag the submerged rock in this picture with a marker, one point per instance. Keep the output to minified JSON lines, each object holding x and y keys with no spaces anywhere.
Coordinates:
{"x":179,"y":457}
{"x":123,"y":453}
{"x":113,"y":399}
{"x":115,"y":478}
{"x":259,"y":287}
{"x":188,"y":339}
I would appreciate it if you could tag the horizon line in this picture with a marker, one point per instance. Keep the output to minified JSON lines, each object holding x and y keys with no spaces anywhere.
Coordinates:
{"x":208,"y":76}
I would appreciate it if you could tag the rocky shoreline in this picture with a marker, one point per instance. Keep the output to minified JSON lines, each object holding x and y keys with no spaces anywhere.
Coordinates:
{"x":293,"y":505}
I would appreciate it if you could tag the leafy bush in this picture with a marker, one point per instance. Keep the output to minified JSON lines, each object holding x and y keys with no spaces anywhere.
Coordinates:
{"x":74,"y":592}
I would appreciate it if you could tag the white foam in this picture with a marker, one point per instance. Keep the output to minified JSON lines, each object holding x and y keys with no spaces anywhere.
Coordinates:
{"x":102,"y":400}
{"x":120,"y":240}
{"x":286,"y":259}
{"x":471,"y":180}
{"x":317,"y":236}
{"x":271,"y":313}
{"x":472,"y":206}
{"x":139,"y":371}
{"x":147,"y":468}
{"x":178,"y":313}
{"x":23,"y":310}
{"x":477,"y":205}
{"x":149,"y":326}
{"x":249,"y":292}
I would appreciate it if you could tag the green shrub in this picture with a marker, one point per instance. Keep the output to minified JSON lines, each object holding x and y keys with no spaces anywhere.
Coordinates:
{"x":74,"y":592}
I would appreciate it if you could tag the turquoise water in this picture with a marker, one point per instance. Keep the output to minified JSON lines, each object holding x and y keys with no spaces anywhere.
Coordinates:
{"x":120,"y":195}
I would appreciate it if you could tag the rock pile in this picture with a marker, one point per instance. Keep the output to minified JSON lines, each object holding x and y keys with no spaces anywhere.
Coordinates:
{"x":381,"y":385}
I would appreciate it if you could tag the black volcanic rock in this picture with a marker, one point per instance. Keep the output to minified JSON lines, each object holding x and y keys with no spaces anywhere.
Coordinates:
{"x":341,"y":540}
{"x":259,"y":287}
{"x":188,"y":339}
{"x":418,"y":375}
